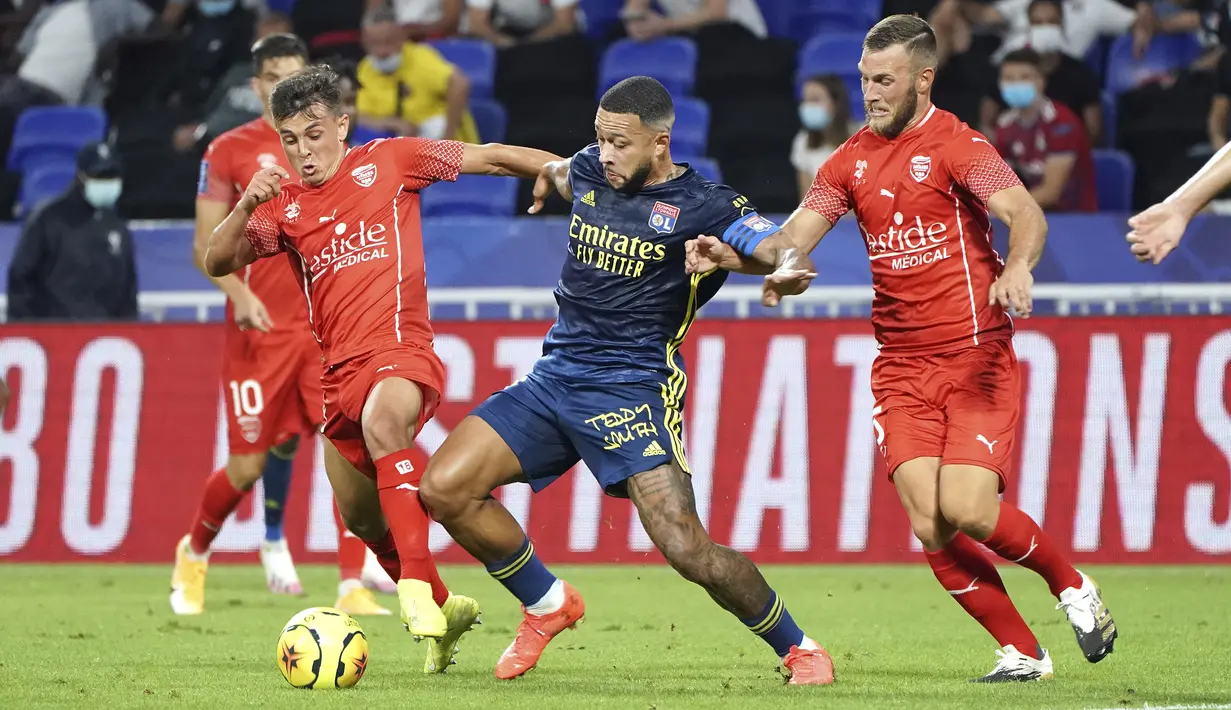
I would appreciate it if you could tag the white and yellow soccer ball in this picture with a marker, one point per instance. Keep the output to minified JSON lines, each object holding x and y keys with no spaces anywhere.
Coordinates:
{"x":322,"y":647}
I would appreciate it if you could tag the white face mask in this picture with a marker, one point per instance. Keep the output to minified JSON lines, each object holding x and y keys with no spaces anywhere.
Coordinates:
{"x":1046,"y":39}
{"x":387,"y":65}
{"x":103,"y":193}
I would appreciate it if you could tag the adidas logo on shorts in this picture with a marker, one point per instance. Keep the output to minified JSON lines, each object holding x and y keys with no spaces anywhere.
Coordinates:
{"x":654,"y":449}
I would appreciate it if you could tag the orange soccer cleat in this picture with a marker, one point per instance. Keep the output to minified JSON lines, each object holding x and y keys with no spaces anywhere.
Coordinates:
{"x":808,"y":666}
{"x":535,"y":632}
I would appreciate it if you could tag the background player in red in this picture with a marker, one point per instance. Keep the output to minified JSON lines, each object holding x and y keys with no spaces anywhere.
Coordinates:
{"x":351,"y":229}
{"x":946,"y":382}
{"x":271,"y":368}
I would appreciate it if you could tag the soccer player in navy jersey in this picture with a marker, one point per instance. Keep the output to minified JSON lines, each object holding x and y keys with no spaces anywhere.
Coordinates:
{"x":609,"y":389}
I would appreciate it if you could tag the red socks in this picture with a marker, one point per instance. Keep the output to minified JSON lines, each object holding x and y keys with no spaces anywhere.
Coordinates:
{"x":397,"y":480}
{"x":351,"y":550}
{"x":971,"y":578}
{"x":219,"y":500}
{"x":1017,"y":538}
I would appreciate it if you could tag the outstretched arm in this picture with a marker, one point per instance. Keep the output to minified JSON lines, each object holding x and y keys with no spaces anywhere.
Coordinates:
{"x":501,"y":159}
{"x":229,"y":248}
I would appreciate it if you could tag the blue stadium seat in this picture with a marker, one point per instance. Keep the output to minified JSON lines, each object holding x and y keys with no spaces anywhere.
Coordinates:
{"x":53,"y":131}
{"x":813,"y":18}
{"x":471,"y":195}
{"x":708,"y":167}
{"x":1165,"y":53}
{"x":600,"y":16}
{"x":476,"y":59}
{"x":44,"y":182}
{"x":490,"y":118}
{"x":691,"y":132}
{"x":834,"y":54}
{"x":1113,"y":175}
{"x":671,"y":60}
{"x":1111,"y":116}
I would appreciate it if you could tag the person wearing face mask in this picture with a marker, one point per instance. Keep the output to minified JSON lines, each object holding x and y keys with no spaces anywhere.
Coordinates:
{"x":824,"y":116}
{"x":409,"y":89}
{"x":215,"y":37}
{"x":1043,"y":140}
{"x":1067,"y":81}
{"x":74,"y":260}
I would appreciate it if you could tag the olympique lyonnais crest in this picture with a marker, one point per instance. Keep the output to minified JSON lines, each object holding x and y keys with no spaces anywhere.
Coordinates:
{"x":364,"y":175}
{"x":920,"y":167}
{"x":663,"y":217}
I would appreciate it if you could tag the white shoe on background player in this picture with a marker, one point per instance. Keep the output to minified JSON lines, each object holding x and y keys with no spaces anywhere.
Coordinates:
{"x":1014,"y":666}
{"x":280,"y":575}
{"x":374,"y":576}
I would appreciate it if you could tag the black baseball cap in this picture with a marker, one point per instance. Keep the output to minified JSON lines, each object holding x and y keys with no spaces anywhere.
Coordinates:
{"x":98,"y":160}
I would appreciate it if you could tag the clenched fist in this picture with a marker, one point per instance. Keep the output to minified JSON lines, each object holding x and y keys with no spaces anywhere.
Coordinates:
{"x":265,"y":186}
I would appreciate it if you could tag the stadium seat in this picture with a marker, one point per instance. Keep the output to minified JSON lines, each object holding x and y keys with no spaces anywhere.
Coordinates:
{"x":671,"y":60}
{"x":813,"y":18}
{"x":1111,"y":116}
{"x":692,"y":126}
{"x":834,"y":54}
{"x":53,"y":131}
{"x":470,"y":196}
{"x":600,"y":16}
{"x":708,"y":167}
{"x":491,"y":119}
{"x":1165,"y":54}
{"x":1113,"y":175}
{"x":476,"y":59}
{"x":43,"y":183}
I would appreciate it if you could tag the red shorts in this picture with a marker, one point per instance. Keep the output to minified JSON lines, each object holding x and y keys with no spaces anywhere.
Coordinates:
{"x":960,"y":406}
{"x":272,"y":386}
{"x":346,"y":387}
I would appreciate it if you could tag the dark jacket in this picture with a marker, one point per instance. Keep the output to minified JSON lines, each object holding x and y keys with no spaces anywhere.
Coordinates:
{"x":73,"y":262}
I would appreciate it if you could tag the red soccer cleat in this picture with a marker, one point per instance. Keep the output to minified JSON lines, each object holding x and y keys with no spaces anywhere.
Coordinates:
{"x":809,"y":667}
{"x":535,"y":632}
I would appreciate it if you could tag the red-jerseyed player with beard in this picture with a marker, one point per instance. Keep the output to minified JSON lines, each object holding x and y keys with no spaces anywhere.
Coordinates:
{"x":946,"y":382}
{"x":351,"y":229}
{"x":271,"y":378}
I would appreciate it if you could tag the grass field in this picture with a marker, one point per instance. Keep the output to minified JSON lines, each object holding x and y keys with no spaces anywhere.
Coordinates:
{"x":103,"y":636}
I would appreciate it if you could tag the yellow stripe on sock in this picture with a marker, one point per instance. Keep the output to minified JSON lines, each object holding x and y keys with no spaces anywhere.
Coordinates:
{"x":775,"y":615}
{"x":516,"y":565}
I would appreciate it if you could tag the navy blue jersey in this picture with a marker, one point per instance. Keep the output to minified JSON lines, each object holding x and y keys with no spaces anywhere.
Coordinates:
{"x":625,"y":301}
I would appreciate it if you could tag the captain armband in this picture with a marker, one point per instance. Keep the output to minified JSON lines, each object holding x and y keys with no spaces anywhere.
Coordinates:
{"x":748,"y":231}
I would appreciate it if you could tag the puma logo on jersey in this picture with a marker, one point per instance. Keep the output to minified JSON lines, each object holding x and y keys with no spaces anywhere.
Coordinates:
{"x":322,"y":220}
{"x":406,"y":486}
{"x":976,"y":139}
{"x":588,"y":199}
{"x":989,"y":444}
{"x":386,"y":367}
{"x":886,"y":193}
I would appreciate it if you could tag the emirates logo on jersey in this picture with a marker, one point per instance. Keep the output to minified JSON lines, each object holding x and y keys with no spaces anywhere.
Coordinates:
{"x":920,"y":167}
{"x":364,"y":175}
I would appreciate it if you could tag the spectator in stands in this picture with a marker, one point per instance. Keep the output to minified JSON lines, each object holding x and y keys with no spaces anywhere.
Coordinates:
{"x":74,"y":260}
{"x":642,"y":23}
{"x":1083,"y":22}
{"x":407,"y":88}
{"x":1067,"y":80}
{"x":1043,"y":139}
{"x":422,"y":20}
{"x":234,"y":101}
{"x":824,"y":114}
{"x":505,"y":23}
{"x":217,"y":34}
{"x":175,"y":11}
{"x":1220,"y":107}
{"x":59,"y":50}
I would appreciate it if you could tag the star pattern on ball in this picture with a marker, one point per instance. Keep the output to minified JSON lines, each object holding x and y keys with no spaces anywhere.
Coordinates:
{"x":361,"y":665}
{"x":290,"y":658}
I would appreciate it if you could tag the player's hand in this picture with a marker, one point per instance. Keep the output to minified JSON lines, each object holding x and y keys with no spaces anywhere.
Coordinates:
{"x":792,"y":277}
{"x":1156,"y":232}
{"x":251,"y":313}
{"x":1013,"y":289}
{"x":4,"y":396}
{"x":705,"y":253}
{"x":265,"y":186}
{"x":553,"y":177}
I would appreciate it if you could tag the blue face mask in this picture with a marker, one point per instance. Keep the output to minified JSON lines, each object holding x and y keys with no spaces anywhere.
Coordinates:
{"x":815,"y":117}
{"x":1018,"y":94}
{"x":215,"y":8}
{"x":102,"y":193}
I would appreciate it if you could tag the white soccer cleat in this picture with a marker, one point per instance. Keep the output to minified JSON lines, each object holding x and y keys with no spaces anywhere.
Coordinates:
{"x":1092,"y":622}
{"x":280,"y":575}
{"x":1016,"y":667}
{"x":374,"y":576}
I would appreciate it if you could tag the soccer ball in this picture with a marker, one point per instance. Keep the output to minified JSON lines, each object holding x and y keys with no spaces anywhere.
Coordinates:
{"x":322,"y":647}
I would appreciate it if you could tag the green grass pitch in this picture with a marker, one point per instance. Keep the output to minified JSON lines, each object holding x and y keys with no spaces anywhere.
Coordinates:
{"x":103,"y":636}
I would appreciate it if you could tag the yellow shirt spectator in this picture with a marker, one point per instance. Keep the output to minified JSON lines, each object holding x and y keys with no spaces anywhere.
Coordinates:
{"x":414,"y":92}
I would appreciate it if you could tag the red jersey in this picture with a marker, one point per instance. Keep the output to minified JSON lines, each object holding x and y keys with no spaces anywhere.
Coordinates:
{"x":357,"y":244}
{"x":920,"y":200}
{"x":228,"y":166}
{"x":1056,"y":130}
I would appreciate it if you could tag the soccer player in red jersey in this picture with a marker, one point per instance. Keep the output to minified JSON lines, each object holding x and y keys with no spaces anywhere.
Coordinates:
{"x":946,"y":383}
{"x":350,"y":227}
{"x":271,"y":377}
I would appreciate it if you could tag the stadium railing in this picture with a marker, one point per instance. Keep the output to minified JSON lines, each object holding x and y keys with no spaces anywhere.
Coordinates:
{"x":743,"y":301}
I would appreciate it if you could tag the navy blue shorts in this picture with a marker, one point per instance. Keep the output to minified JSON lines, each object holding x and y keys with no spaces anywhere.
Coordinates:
{"x":619,"y":430}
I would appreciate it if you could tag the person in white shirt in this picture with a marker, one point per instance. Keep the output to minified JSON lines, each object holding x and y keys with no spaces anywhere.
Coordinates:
{"x":1084,"y":22}
{"x":642,"y":23}
{"x":422,"y":20}
{"x":824,"y":114}
{"x":505,"y":23}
